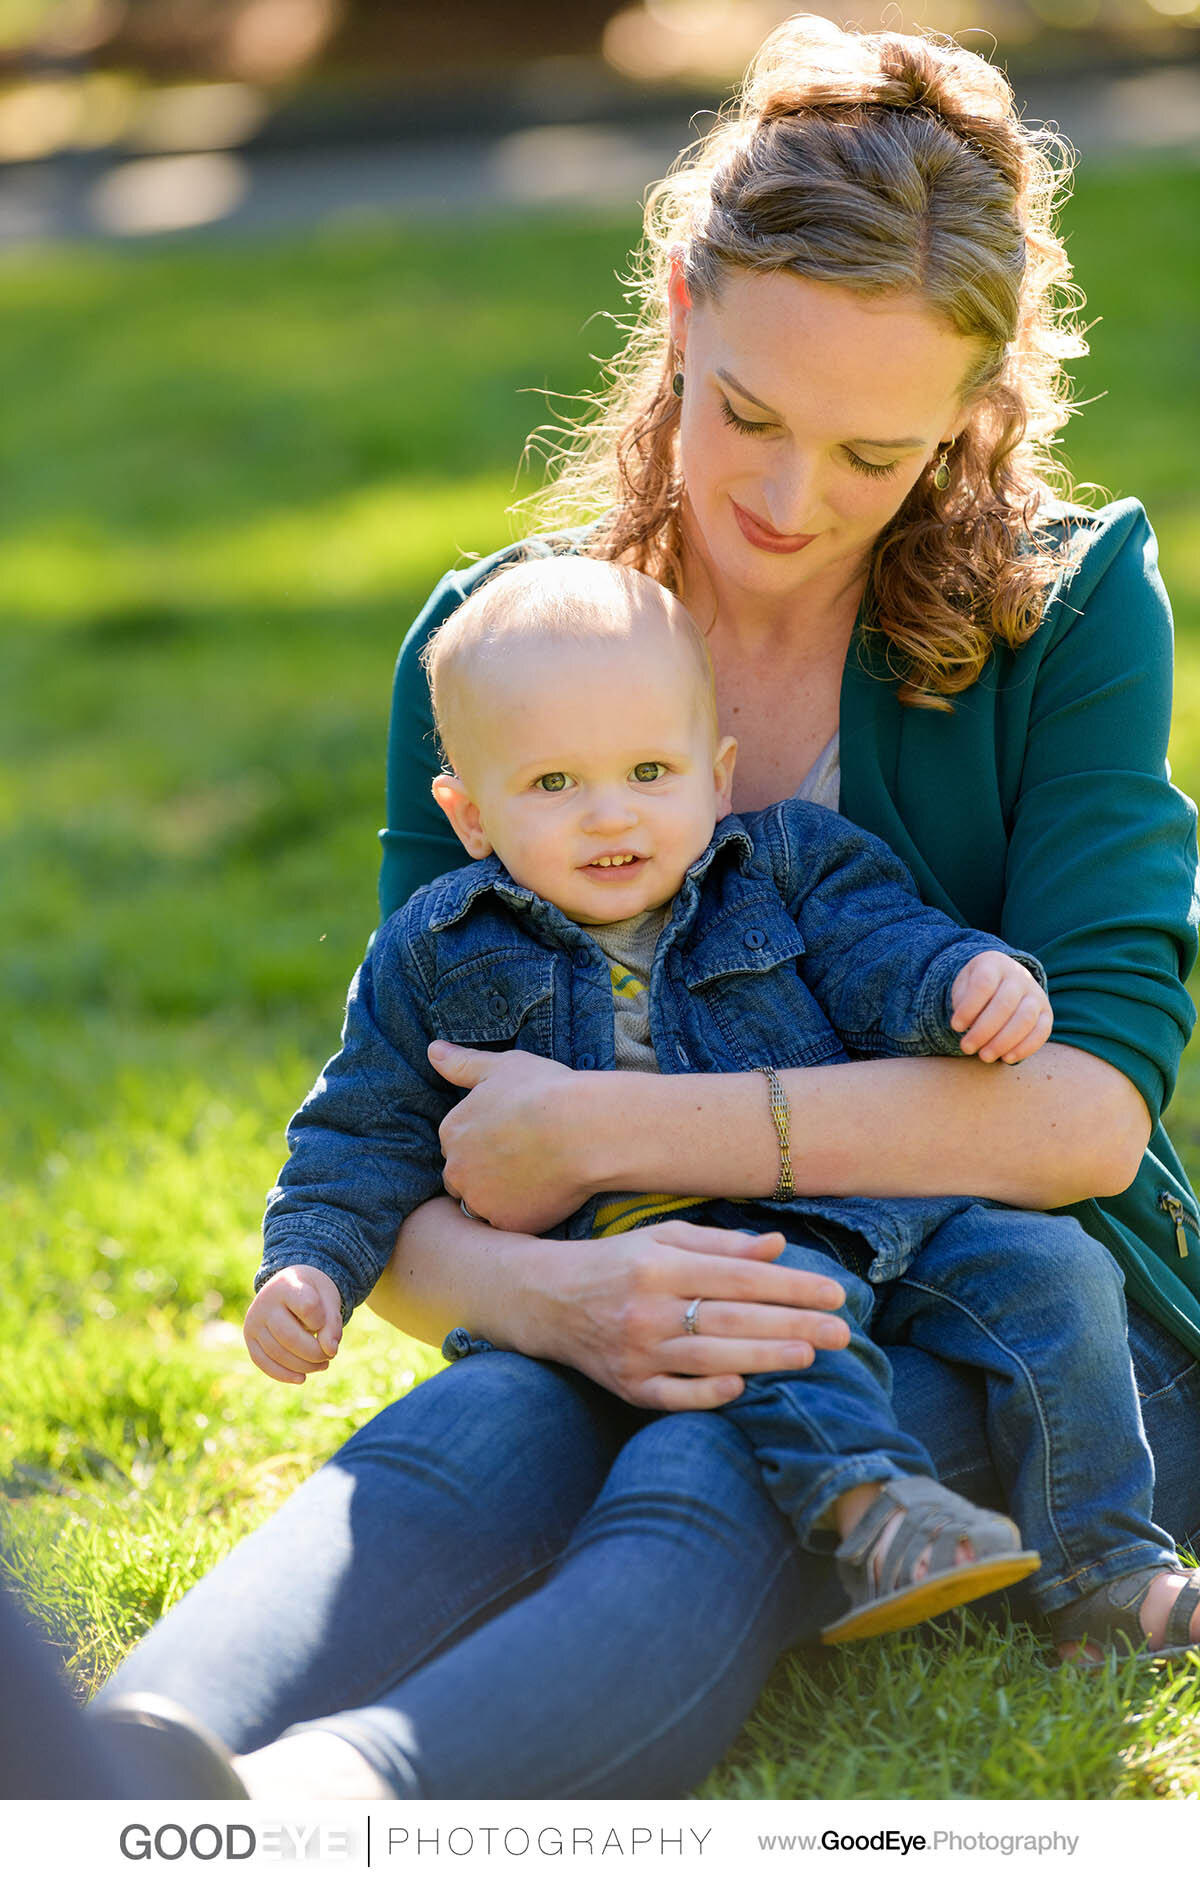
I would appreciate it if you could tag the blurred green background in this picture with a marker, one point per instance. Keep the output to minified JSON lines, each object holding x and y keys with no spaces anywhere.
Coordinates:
{"x":232,"y":471}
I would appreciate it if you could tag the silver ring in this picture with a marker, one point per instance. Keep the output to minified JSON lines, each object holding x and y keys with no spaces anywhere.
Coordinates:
{"x":690,"y":1313}
{"x":465,"y":1207}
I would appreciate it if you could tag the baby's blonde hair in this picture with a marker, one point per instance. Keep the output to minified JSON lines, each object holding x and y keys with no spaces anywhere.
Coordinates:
{"x":551,"y":599}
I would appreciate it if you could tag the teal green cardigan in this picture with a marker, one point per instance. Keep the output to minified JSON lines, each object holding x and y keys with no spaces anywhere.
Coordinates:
{"x":1040,"y":809}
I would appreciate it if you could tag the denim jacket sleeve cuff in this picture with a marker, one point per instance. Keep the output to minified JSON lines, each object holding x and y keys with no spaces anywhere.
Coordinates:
{"x":935,"y":1003}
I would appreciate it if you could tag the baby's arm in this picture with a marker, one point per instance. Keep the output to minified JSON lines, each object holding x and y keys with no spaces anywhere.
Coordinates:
{"x":293,"y":1326}
{"x":896,"y":976}
{"x":364,"y":1153}
{"x":999,"y":1009}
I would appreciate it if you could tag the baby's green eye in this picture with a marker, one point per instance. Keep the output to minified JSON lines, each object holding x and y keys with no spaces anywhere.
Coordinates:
{"x":648,"y":771}
{"x":552,"y":782}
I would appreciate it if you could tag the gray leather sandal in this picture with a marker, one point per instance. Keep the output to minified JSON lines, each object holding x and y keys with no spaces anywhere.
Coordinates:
{"x":1110,"y":1618}
{"x":934,"y":1522}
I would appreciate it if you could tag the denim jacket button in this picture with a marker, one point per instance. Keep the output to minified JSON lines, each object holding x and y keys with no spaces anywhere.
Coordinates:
{"x":754,"y":939}
{"x":497,"y":1004}
{"x":585,"y":1062}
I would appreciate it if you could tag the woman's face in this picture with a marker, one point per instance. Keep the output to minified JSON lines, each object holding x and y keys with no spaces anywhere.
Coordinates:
{"x":809,"y":412}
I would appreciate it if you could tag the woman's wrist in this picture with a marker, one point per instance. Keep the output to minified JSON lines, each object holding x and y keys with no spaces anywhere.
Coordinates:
{"x":449,"y":1271}
{"x":641,"y":1132}
{"x":529,"y":1314}
{"x":596,"y":1125}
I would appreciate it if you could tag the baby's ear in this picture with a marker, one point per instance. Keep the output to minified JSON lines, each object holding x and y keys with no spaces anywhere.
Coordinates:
{"x":723,"y":764}
{"x":463,"y":813}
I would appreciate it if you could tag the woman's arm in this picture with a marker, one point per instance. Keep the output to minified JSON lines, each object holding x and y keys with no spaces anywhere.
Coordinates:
{"x":533,"y":1140}
{"x":614,"y":1307}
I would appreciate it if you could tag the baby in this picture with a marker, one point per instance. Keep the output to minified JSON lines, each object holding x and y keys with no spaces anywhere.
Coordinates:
{"x":616,"y":914}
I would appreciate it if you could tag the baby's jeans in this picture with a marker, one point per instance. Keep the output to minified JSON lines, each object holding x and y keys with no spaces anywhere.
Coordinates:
{"x":1037,"y":1307}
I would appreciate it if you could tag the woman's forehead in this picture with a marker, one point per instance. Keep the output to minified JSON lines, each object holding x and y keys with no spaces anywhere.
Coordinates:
{"x":780,"y":337}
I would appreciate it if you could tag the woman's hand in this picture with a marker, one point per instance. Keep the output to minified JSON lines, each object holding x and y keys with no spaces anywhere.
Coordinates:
{"x":615,"y":1307}
{"x":508,"y":1145}
{"x":625,"y":1301}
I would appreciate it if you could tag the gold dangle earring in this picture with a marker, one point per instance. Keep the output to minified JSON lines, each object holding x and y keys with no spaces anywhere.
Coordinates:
{"x":677,"y":381}
{"x":941,"y":471}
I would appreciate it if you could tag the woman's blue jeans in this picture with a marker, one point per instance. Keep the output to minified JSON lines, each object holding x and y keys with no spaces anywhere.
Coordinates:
{"x":511,"y":1585}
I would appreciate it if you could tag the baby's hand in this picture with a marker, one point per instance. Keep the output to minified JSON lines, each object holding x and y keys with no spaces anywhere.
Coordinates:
{"x":999,"y":1009}
{"x":294,"y":1324}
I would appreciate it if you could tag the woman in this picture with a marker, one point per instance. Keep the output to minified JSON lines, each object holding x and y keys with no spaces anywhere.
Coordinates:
{"x":831,"y":433}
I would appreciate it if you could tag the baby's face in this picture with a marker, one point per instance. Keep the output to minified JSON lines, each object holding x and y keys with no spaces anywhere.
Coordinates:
{"x":593,"y":772}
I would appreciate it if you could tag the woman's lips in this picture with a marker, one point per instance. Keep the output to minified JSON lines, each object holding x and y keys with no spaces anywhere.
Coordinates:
{"x":764,"y":538}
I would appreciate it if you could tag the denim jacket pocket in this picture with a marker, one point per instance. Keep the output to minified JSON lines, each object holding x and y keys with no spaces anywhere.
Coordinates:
{"x":746,"y":983}
{"x":501,"y":998}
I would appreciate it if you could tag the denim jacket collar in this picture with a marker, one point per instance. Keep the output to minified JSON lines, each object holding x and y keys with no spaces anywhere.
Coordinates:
{"x":455,"y":894}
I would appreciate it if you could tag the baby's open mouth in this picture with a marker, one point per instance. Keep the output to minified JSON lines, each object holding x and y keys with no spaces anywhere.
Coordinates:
{"x":615,"y":866}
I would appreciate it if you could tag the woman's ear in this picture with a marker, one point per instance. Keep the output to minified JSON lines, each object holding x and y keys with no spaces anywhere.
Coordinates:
{"x":463,"y":813}
{"x":962,"y":418}
{"x":679,"y":301}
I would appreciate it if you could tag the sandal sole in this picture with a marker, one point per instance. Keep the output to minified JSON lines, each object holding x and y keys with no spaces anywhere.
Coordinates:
{"x":920,"y":1602}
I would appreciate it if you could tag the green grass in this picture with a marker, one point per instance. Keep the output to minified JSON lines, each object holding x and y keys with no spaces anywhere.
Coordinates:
{"x":231,"y":476}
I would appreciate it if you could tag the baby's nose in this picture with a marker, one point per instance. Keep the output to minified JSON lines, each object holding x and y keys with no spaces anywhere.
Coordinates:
{"x":609,"y":811}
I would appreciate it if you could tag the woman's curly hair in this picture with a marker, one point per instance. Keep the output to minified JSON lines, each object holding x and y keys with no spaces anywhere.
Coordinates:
{"x":887,"y":163}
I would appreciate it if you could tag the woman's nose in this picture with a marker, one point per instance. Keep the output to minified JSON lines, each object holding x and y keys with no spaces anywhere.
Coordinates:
{"x":789,"y":496}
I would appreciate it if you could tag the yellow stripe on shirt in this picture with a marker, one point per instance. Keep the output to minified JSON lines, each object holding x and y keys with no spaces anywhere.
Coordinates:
{"x":624,"y":982}
{"x":626,"y":1213}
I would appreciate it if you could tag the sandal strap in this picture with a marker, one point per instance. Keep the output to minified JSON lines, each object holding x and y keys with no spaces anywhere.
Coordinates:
{"x":932,"y":1535}
{"x":1107,"y":1615}
{"x":1178,"y":1633}
{"x":1112,"y":1614}
{"x":933,"y":1521}
{"x":858,"y":1546}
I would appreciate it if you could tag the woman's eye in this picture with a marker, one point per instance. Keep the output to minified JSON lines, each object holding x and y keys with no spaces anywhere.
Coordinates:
{"x":867,"y":469}
{"x":551,"y":782}
{"x":739,"y":424}
{"x":648,"y":771}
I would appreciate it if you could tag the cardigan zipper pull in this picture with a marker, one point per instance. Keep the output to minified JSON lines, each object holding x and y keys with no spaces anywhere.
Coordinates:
{"x":1174,"y":1209}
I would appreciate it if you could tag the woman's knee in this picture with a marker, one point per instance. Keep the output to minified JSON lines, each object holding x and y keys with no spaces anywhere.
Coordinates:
{"x":989,"y":1261}
{"x":695,"y":1475}
{"x":492,"y":1417}
{"x":1077,"y":1266}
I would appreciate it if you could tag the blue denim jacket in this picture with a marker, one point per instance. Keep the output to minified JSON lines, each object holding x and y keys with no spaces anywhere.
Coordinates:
{"x":795,"y":940}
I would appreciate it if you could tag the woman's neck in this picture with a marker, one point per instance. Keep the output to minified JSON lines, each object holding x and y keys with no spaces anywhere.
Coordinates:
{"x":814,"y":619}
